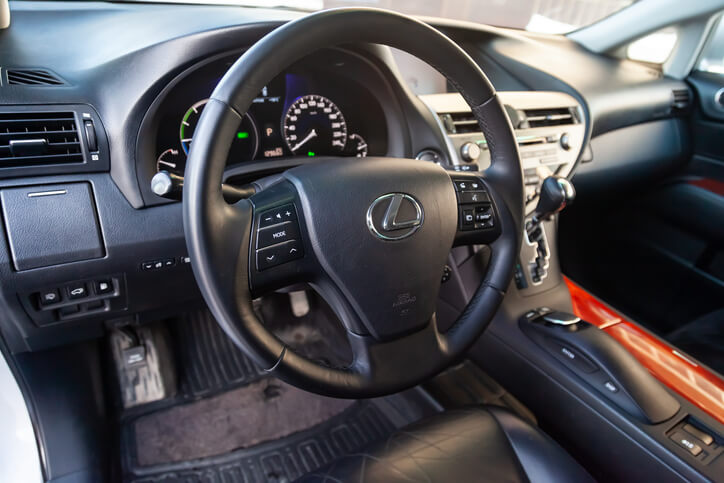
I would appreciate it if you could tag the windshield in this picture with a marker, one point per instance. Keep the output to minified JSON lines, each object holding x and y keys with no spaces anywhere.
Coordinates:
{"x":544,"y":16}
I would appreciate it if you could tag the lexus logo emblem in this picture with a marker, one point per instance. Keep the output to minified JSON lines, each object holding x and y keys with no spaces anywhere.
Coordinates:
{"x":394,"y":216}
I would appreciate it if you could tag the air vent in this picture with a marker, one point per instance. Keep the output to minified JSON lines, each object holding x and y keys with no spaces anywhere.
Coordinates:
{"x":39,"y":138}
{"x":32,"y":77}
{"x":681,"y":100}
{"x":460,"y":122}
{"x":547,"y":117}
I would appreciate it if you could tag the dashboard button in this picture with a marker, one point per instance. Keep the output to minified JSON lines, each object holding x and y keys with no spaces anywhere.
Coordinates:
{"x":277,"y":234}
{"x":103,"y":287}
{"x":77,"y":291}
{"x":48,"y":297}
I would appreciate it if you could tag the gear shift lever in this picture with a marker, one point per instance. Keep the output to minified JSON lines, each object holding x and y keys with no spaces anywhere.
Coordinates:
{"x":555,"y":194}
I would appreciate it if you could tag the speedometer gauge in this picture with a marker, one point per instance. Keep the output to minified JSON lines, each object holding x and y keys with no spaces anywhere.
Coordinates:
{"x":314,"y":125}
{"x":244,"y":145}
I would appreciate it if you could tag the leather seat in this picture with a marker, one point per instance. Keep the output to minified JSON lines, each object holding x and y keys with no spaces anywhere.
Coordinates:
{"x":477,"y":444}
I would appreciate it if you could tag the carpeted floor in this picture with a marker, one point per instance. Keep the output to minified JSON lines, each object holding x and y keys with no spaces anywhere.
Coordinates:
{"x":261,"y":411}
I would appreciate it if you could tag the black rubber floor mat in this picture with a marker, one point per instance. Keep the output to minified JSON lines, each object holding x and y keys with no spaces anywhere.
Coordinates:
{"x":283,"y":460}
{"x":207,"y":360}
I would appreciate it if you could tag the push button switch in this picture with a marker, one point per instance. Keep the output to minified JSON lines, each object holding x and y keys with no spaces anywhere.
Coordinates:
{"x":48,"y":297}
{"x":277,"y":215}
{"x":277,"y":234}
{"x":278,"y":254}
{"x":686,"y":442}
{"x":77,"y":291}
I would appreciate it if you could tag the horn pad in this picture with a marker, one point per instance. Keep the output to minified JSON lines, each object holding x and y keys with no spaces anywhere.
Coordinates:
{"x":382,"y":230}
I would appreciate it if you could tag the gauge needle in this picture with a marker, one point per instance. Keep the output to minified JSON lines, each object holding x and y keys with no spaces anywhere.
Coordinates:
{"x":312,"y":134}
{"x":171,"y":165}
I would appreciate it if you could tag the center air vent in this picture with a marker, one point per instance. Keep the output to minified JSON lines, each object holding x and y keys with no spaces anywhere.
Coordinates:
{"x":547,"y":117}
{"x":39,"y":138}
{"x":460,"y":122}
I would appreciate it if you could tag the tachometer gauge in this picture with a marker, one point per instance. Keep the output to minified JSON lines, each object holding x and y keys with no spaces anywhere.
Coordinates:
{"x":170,"y":160}
{"x":314,"y":125}
{"x":356,"y":146}
{"x":246,"y":140}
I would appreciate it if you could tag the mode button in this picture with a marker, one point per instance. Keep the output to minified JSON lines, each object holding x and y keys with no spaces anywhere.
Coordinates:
{"x":277,"y":234}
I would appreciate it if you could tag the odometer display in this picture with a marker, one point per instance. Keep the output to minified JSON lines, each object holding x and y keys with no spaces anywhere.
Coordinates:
{"x":314,"y":125}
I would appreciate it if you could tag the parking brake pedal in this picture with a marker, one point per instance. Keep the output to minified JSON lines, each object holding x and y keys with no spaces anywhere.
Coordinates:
{"x":144,"y":364}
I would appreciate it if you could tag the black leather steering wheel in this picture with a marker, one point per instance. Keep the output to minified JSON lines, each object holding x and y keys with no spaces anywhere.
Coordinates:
{"x":371,"y":235}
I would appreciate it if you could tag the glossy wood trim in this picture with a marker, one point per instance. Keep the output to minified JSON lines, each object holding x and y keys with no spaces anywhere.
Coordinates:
{"x":682,"y":373}
{"x":712,"y":185}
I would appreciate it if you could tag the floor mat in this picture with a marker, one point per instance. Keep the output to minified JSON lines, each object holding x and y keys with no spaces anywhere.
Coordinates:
{"x":207,"y":360}
{"x":282,"y":460}
{"x":261,"y":411}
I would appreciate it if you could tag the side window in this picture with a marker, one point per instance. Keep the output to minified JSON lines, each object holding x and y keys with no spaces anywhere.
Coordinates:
{"x":712,"y":58}
{"x":654,"y":48}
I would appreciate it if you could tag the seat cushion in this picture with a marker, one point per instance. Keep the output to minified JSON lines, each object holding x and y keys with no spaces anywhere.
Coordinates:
{"x":477,"y":444}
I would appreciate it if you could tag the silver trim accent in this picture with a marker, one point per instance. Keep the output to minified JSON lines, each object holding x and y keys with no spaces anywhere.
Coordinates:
{"x":389,"y":221}
{"x":682,"y":356}
{"x":38,"y":194}
{"x":718,"y":98}
{"x":557,"y":321}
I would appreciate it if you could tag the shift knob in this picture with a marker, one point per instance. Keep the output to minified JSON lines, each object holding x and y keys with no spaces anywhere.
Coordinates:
{"x":555,"y":194}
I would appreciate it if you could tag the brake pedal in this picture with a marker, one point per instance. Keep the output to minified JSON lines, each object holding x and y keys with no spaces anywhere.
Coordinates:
{"x":144,"y":364}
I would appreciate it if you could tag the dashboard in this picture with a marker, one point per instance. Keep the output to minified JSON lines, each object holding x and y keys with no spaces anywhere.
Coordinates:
{"x":128,"y":107}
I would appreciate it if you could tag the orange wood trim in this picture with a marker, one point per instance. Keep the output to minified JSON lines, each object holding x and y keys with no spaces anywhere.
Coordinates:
{"x":681,"y":373}
{"x":713,"y":185}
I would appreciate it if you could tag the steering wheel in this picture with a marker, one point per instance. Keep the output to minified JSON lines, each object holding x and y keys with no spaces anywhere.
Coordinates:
{"x":371,"y":235}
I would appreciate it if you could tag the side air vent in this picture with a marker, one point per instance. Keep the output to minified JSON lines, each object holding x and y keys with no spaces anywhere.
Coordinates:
{"x":460,"y":122}
{"x":547,"y":117}
{"x":32,"y":77}
{"x":681,"y":100}
{"x":39,"y":138}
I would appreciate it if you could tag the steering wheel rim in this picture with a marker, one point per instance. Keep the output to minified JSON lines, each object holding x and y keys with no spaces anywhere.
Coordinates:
{"x":219,"y":235}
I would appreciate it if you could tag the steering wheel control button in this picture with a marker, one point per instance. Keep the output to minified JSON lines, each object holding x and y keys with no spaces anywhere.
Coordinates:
{"x":49,"y":297}
{"x":468,"y":219}
{"x":278,"y":254}
{"x":278,"y":215}
{"x":77,"y":291}
{"x":277,"y":234}
{"x":473,"y":197}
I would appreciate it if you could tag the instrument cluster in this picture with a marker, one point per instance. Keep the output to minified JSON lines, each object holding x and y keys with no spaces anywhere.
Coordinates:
{"x":312,"y":109}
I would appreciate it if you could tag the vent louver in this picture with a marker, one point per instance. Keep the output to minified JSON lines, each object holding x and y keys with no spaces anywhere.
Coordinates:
{"x":39,"y":138}
{"x":460,"y":122}
{"x":547,"y":117}
{"x":32,"y":77}
{"x":681,"y":100}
